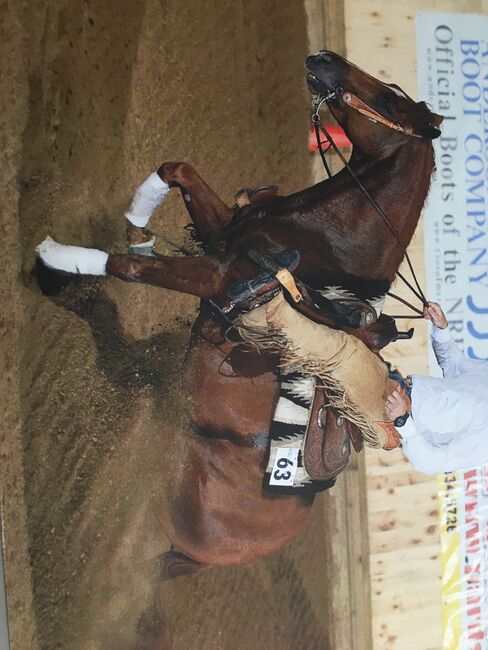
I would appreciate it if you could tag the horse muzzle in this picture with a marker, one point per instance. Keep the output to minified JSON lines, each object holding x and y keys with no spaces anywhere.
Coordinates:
{"x":321,"y":78}
{"x":315,"y":86}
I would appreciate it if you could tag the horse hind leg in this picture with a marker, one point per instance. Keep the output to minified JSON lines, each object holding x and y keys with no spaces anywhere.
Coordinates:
{"x":174,"y":564}
{"x":207,"y":210}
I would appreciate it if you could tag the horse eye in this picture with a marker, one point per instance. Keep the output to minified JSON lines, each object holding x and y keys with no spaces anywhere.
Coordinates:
{"x":388,"y":105}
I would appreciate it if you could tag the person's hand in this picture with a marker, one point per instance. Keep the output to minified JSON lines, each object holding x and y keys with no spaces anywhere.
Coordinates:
{"x":397,"y":403}
{"x":433,"y":312}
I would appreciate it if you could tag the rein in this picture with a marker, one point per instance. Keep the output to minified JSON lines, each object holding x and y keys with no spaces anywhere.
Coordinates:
{"x":364,"y":109}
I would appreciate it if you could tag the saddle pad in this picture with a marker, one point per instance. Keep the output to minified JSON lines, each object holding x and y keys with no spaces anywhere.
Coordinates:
{"x":285,"y":472}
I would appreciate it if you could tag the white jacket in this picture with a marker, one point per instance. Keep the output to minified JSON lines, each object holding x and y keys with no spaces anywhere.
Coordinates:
{"x":448,"y":429}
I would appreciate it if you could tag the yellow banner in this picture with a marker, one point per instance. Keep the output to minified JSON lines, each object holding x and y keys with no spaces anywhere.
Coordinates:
{"x":450,"y":561}
{"x":464,"y":558}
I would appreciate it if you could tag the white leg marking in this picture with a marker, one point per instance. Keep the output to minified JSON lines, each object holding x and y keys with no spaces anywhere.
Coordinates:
{"x":72,"y":259}
{"x":146,"y":199}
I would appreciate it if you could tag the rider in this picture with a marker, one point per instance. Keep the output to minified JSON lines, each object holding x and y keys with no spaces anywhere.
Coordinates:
{"x":442,"y":422}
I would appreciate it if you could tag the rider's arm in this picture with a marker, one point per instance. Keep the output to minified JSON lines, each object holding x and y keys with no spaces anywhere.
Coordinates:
{"x":408,"y":430}
{"x":461,"y":453}
{"x":450,"y":357}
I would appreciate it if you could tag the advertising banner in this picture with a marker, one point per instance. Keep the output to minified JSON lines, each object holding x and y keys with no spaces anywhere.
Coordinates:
{"x":452,"y":60}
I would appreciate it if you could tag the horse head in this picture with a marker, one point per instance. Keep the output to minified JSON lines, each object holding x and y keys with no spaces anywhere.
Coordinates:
{"x":376,"y":116}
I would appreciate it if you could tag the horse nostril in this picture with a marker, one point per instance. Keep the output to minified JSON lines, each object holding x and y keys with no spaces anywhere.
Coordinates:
{"x":325,"y":56}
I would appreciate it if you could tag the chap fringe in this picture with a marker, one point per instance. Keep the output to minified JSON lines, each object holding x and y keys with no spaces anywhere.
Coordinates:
{"x":273,"y":340}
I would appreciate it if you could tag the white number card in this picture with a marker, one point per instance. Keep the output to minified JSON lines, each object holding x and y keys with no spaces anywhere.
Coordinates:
{"x":285,"y":466}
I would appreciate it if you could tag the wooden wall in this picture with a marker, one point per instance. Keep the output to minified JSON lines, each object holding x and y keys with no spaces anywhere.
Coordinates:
{"x":348,"y":610}
{"x":385,"y":514}
{"x":402,"y":504}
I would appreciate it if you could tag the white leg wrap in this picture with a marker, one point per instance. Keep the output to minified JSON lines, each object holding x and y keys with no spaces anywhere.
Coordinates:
{"x":72,"y":259}
{"x":146,"y":199}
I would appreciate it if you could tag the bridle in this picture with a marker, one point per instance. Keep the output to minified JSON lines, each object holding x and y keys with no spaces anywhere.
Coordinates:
{"x":353,"y":101}
{"x":357,"y":104}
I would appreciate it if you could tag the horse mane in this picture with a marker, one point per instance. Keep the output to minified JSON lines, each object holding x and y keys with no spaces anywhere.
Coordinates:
{"x":364,"y":288}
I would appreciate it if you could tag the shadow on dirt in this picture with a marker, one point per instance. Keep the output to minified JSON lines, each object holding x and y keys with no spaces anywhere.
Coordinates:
{"x":151,"y":362}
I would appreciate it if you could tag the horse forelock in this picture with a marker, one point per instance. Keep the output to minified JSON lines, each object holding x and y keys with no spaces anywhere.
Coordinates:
{"x":398,"y":91}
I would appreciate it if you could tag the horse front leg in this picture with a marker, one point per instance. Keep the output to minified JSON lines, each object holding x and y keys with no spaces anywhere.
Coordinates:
{"x":207,"y":211}
{"x":204,"y":276}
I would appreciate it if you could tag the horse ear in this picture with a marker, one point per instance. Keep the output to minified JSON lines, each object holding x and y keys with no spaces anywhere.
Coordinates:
{"x":431,"y":121}
{"x":436,"y":120}
{"x":429,"y":132}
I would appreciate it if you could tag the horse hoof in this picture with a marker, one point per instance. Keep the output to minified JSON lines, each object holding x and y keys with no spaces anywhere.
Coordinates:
{"x":174,"y":564}
{"x":145,"y":248}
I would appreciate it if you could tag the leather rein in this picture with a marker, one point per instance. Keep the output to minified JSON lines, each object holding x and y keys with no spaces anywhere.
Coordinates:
{"x":359,"y":105}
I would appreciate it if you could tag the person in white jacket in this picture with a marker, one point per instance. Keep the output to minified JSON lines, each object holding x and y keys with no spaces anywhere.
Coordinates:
{"x":442,"y":422}
{"x":447,"y":427}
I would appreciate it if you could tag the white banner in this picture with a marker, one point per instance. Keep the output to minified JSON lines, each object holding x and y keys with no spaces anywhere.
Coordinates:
{"x":452,"y":60}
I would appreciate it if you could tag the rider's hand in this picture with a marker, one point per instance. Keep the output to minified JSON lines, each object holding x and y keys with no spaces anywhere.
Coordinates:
{"x":433,"y":312}
{"x":397,"y":403}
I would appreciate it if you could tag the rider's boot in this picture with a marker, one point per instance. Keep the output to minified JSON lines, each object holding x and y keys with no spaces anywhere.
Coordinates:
{"x":249,"y":294}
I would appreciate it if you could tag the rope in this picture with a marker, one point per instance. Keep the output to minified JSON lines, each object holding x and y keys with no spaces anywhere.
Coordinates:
{"x":322,"y":152}
{"x":177,"y":247}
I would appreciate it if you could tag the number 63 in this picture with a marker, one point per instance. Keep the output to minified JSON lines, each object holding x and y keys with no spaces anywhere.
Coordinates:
{"x":282,"y":463}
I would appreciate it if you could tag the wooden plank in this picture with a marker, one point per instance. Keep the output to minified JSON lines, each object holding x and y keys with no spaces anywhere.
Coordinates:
{"x":390,"y":600}
{"x":405,"y":631}
{"x":348,"y":560}
{"x":394,"y":563}
{"x":346,"y":504}
{"x":334,"y":14}
{"x":325,"y":25}
{"x":358,"y":547}
{"x":418,"y":495}
{"x":382,"y":541}
{"x":314,"y":10}
{"x":389,"y":482}
{"x":402,"y":504}
{"x":381,"y":463}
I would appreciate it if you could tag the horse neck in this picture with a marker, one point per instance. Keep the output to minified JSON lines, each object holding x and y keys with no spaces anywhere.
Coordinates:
{"x":410,"y":168}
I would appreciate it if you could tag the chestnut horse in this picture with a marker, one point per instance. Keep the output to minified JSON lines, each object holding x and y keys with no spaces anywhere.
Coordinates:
{"x":219,"y":513}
